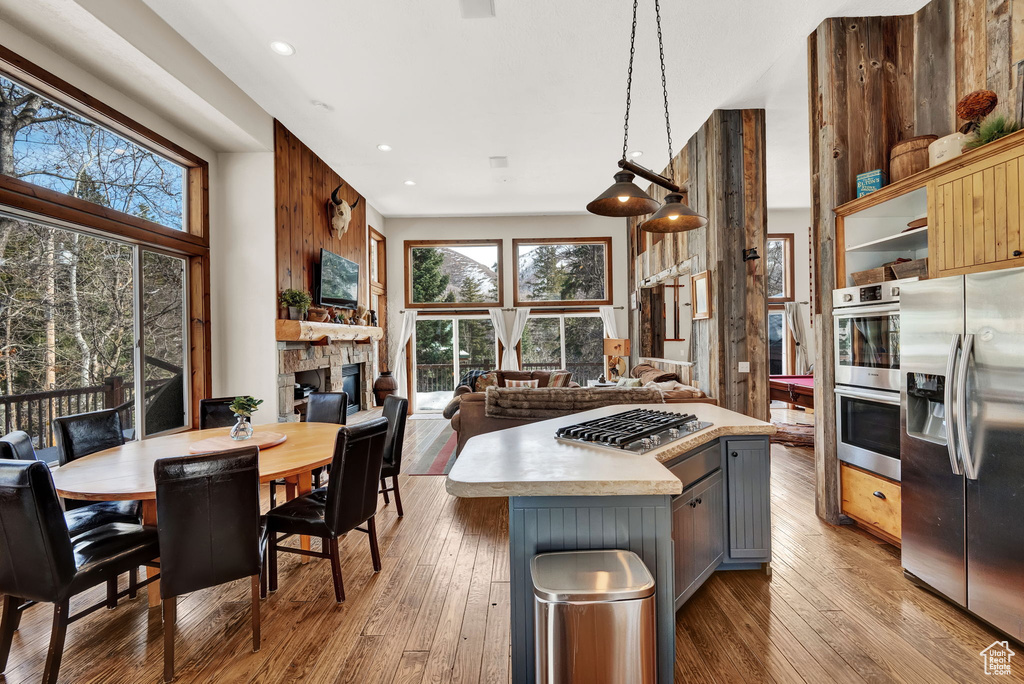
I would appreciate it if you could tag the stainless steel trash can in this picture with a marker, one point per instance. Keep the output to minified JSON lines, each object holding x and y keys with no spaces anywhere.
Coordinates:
{"x":594,"y":618}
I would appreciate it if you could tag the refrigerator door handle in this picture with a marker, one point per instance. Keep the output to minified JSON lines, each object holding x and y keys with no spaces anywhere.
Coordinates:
{"x":970,"y":470}
{"x":954,"y":347}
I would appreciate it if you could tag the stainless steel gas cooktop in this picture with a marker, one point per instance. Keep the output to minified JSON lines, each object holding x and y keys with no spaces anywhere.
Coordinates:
{"x":637,"y":430}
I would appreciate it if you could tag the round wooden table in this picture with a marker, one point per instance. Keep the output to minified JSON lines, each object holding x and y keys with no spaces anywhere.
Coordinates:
{"x":125,"y":473}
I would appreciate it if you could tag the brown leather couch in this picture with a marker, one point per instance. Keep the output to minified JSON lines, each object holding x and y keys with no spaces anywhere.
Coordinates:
{"x":471,"y":419}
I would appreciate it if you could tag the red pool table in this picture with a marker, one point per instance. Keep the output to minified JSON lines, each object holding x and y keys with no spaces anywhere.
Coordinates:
{"x":792,"y":389}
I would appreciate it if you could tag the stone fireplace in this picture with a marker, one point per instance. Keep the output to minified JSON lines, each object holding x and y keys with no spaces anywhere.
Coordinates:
{"x":337,"y":366}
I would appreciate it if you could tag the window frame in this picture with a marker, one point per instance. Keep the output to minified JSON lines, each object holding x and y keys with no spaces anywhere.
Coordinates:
{"x":412,"y":361}
{"x":42,"y":204}
{"x":788,"y":346}
{"x":561,"y":315}
{"x":788,"y":275}
{"x":409,"y":245}
{"x":532,"y":242}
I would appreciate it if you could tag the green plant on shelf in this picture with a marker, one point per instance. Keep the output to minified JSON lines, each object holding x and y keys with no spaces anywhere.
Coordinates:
{"x":991,"y":129}
{"x":245,"y":406}
{"x":299,"y":299}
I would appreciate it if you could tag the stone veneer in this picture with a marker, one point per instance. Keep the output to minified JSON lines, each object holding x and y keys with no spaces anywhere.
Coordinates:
{"x":296,"y":357}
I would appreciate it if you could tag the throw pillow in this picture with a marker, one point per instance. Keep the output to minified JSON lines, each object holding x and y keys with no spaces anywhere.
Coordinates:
{"x":560,"y":379}
{"x":485,"y":381}
{"x":522,"y":383}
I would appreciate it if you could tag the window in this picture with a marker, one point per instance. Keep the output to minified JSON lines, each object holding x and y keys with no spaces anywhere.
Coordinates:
{"x":453,"y":274}
{"x":778,"y":268}
{"x":780,"y":343}
{"x":57,"y":148}
{"x":70,"y":337}
{"x":446,"y":348}
{"x":556,"y":271}
{"x":574,"y":342}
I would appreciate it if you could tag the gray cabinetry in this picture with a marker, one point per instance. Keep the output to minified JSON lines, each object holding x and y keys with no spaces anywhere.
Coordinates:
{"x":698,"y":534}
{"x":748,"y":474}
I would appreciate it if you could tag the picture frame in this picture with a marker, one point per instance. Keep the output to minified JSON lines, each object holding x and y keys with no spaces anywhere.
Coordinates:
{"x":700,"y":295}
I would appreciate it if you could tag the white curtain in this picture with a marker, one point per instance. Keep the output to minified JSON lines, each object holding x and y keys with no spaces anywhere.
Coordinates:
{"x":399,"y":355}
{"x":611,"y":331}
{"x":802,"y":364}
{"x":509,"y":338}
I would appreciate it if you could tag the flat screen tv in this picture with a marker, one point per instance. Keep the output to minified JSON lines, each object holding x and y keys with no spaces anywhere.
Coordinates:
{"x":338,"y":284}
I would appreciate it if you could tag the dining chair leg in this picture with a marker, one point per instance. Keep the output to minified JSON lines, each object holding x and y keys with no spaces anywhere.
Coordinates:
{"x":56,"y":650}
{"x":384,"y":490}
{"x":339,"y":584}
{"x":371,"y":529}
{"x":170,"y":610}
{"x":264,"y":571}
{"x":8,"y":626}
{"x":112,"y":593}
{"x":256,"y":613}
{"x":398,"y":495}
{"x":272,"y":561}
{"x":273,"y":494}
{"x":133,"y":583}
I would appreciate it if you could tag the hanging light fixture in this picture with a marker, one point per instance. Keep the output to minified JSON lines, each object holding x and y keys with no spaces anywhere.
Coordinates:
{"x":624,"y":198}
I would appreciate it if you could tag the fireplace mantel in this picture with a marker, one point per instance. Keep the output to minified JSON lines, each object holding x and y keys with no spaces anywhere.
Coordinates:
{"x":321,"y":333}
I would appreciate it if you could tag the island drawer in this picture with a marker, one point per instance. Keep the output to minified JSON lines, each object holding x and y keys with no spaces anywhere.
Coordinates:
{"x":698,"y":465}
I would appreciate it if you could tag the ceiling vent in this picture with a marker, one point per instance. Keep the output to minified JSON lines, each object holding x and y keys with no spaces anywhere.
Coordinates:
{"x":499,"y":162}
{"x":477,"y":9}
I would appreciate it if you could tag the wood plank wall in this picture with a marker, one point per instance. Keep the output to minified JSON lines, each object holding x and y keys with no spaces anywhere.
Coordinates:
{"x":303,"y":185}
{"x":873,"y":82}
{"x":722,"y":167}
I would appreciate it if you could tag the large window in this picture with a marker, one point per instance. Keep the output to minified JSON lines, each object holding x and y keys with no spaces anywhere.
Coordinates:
{"x":87,"y":322}
{"x":49,"y":145}
{"x":780,"y":346}
{"x":574,"y":342}
{"x":446,"y":348}
{"x":453,"y":274}
{"x":778,"y":268}
{"x":557,"y":271}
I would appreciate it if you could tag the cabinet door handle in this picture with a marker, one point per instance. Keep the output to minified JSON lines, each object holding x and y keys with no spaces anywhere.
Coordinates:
{"x":880,"y":495}
{"x":700,"y":501}
{"x":1017,"y":253}
{"x":735,"y":454}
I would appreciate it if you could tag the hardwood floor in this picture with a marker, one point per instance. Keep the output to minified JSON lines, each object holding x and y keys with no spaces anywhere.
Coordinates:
{"x":836,"y":608}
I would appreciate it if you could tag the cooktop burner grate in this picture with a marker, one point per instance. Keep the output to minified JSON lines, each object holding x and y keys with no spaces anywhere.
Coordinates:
{"x":637,"y":430}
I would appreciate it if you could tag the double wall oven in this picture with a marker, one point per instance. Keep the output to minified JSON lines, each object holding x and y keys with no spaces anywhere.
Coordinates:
{"x":867,"y":357}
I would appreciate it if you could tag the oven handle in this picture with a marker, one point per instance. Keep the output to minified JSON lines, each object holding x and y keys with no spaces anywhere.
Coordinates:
{"x":857,"y":311}
{"x":954,"y":347}
{"x":970,"y":467}
{"x":890,"y":398}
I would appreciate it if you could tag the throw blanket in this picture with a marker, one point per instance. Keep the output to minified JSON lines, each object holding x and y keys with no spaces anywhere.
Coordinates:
{"x":648,"y":373}
{"x":529,"y":403}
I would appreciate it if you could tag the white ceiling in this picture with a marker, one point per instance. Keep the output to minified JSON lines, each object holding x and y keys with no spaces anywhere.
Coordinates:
{"x":542,"y":83}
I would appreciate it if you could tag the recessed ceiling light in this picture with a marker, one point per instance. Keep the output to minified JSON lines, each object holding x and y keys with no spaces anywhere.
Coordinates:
{"x":410,"y":182}
{"x":282,"y":48}
{"x":635,"y":154}
{"x":384,"y":148}
{"x":499,"y":162}
{"x":321,"y":105}
{"x":477,"y":9}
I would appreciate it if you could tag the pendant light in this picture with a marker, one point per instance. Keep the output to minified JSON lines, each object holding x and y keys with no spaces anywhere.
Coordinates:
{"x":624,"y":198}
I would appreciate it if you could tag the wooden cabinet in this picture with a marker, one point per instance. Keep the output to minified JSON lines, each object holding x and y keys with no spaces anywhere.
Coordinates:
{"x":698,"y":534}
{"x":872,"y":501}
{"x":975,"y":216}
{"x":748,"y":468}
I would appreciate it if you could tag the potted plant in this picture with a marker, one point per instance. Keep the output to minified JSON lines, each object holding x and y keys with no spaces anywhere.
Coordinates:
{"x":297,"y":301}
{"x":243,"y":407}
{"x":991,"y":129}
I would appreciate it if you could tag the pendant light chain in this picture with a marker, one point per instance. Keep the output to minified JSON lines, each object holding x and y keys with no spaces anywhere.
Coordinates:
{"x":629,"y":82}
{"x":664,"y":85}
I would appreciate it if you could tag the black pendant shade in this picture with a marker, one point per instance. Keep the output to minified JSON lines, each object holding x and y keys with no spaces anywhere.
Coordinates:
{"x":674,"y":217}
{"x":623,"y":198}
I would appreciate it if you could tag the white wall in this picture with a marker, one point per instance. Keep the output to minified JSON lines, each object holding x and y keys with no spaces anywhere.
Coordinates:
{"x":508,"y":228}
{"x":798,"y":222}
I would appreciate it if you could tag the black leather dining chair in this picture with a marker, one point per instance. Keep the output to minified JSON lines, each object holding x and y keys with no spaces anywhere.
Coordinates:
{"x":215,"y":413}
{"x":396,"y":410}
{"x":208,"y":519}
{"x":17,"y":446}
{"x":39,"y":561}
{"x":348,"y":500}
{"x":322,"y":407}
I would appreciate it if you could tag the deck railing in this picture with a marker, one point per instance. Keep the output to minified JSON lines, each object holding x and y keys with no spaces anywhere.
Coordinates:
{"x":438,"y":377}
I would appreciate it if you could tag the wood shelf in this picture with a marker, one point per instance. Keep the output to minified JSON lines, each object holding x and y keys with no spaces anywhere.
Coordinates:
{"x":910,"y":240}
{"x":321,"y":333}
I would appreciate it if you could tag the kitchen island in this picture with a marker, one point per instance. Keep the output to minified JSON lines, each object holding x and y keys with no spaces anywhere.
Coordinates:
{"x":687,"y":508}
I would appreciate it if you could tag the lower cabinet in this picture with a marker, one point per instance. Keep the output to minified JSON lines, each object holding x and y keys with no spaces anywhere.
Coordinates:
{"x":748,"y":467}
{"x":698,"y":533}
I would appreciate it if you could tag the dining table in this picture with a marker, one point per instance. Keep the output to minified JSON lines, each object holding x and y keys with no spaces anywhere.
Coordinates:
{"x":125,"y":473}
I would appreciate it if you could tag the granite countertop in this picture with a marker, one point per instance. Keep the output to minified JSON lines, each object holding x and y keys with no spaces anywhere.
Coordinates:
{"x":529,"y":461}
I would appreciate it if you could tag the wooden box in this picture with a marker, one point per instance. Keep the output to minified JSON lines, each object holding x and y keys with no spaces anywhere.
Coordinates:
{"x":873,"y":275}
{"x":909,"y":269}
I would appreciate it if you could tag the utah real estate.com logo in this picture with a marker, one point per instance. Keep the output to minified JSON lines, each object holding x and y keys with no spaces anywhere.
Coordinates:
{"x":997,"y":658}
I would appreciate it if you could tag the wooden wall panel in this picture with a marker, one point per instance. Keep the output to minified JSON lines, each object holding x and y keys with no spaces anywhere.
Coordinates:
{"x":303,"y":187}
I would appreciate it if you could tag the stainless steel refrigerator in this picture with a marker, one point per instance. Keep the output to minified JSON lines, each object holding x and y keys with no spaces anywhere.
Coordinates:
{"x":962,"y":441}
